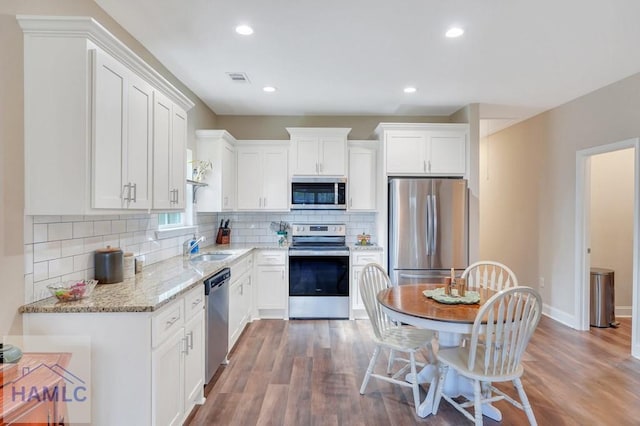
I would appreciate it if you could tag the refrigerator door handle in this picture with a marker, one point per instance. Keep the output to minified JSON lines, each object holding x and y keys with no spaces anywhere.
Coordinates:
{"x":415,"y":276}
{"x":434,"y":221}
{"x":429,"y":220}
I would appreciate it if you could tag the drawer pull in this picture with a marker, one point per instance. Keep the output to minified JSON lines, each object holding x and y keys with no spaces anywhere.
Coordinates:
{"x":171,"y":322}
{"x":196,"y":303}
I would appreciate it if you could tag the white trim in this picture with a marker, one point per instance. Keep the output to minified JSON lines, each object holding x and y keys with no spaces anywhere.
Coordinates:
{"x":318,"y":131}
{"x":162,"y":234}
{"x":89,"y":28}
{"x":558,"y":315}
{"x":581,"y":287}
{"x":624,"y":311}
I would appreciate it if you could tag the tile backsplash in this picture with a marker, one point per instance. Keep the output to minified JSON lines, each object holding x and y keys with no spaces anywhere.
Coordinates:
{"x":59,"y":248}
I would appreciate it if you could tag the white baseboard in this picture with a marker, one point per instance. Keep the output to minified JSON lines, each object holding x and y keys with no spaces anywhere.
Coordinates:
{"x":560,"y":316}
{"x":623,"y":311}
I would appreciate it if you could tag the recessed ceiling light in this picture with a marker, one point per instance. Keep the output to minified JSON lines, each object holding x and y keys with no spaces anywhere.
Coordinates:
{"x":410,"y":90}
{"x":269,"y":89}
{"x":454,"y":32}
{"x":244,"y":30}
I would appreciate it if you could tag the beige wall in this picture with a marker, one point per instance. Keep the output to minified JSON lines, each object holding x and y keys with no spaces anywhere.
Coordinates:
{"x":274,"y":127}
{"x":612,"y":190}
{"x":12,"y":136}
{"x":528,"y":185}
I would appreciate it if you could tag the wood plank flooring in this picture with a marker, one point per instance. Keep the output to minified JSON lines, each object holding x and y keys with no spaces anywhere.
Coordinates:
{"x":308,"y":372}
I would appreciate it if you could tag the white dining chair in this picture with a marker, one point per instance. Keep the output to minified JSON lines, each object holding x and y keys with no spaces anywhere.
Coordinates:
{"x":504,"y":325}
{"x":489,"y":274}
{"x":390,"y":335}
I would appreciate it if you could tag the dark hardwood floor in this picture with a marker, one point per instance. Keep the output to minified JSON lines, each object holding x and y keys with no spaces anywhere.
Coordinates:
{"x":309,"y":373}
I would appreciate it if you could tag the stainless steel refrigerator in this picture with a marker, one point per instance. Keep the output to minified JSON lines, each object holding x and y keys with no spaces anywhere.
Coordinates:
{"x":428,"y":229}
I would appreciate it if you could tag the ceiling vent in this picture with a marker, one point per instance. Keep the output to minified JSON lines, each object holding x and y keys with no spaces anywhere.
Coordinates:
{"x":238,"y":77}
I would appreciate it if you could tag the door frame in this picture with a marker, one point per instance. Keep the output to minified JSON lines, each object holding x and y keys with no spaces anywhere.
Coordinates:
{"x":582,"y":235}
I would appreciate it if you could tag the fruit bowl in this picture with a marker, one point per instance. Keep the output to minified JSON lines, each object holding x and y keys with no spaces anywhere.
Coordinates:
{"x":72,"y":290}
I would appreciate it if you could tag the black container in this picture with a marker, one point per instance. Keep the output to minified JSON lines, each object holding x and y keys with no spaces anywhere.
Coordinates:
{"x":109,"y":265}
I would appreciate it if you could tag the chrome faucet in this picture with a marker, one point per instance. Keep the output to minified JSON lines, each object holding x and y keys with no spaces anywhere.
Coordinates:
{"x":190,"y":245}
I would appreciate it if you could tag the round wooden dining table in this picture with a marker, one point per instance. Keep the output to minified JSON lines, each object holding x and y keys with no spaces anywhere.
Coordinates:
{"x":409,"y":305}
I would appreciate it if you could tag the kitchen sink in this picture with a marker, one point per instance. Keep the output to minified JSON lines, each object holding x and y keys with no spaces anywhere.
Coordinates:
{"x":210,"y":257}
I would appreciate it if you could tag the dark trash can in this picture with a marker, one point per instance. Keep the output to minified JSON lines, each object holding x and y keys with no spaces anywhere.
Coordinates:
{"x":602,"y":312}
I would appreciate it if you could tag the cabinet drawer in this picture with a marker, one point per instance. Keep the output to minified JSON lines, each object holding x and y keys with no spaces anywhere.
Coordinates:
{"x":240,"y":267}
{"x":167,"y":321}
{"x":194,"y":302}
{"x":362,"y":258}
{"x":274,"y":257}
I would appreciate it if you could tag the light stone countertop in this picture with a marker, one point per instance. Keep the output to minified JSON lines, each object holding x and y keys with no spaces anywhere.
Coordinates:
{"x":149,"y":290}
{"x":157,"y":284}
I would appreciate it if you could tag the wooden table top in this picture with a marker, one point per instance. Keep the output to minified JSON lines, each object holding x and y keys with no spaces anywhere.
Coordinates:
{"x":409,"y":300}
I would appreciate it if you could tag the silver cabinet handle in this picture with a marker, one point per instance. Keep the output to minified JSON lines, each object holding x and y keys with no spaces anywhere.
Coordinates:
{"x":320,"y":167}
{"x":190,"y":335}
{"x":185,"y":350}
{"x":126,"y":188}
{"x":196,"y":303}
{"x":177,"y":195}
{"x":265,"y":202}
{"x":429,"y":164}
{"x":171,"y":321}
{"x":135,"y":192}
{"x":424,"y":165}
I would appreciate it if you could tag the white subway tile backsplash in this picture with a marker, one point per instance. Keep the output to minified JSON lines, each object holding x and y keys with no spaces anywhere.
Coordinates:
{"x":102,"y":227}
{"x":46,"y":251}
{"x":39,"y":233}
{"x":92,"y":244}
{"x":82,"y":229}
{"x":118,"y":226}
{"x":46,"y":219}
{"x":60,"y":231}
{"x":75,"y":218}
{"x":71,"y":247}
{"x":40,"y":271}
{"x":60,"y":266}
{"x":82,"y":262}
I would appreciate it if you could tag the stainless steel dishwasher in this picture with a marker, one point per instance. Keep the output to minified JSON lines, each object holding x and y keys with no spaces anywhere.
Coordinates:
{"x":216,"y":291}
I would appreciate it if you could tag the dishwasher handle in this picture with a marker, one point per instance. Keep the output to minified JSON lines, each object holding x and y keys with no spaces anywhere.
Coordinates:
{"x":217,"y":280}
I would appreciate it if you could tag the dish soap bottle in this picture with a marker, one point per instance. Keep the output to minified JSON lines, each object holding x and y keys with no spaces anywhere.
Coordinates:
{"x":195,"y":247}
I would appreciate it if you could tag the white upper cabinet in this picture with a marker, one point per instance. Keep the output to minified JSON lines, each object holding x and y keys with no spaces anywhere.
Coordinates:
{"x":362,"y":176}
{"x":122,"y":113}
{"x":262,"y":176}
{"x":318,"y":151}
{"x":424,"y":149}
{"x":169,"y":150}
{"x":89,"y":120}
{"x":218,"y":147}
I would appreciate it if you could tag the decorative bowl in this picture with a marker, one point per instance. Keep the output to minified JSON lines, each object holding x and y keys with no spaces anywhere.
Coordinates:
{"x":72,"y":290}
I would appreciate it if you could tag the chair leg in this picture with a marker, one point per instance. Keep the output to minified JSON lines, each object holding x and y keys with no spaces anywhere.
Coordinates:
{"x":526,"y":406}
{"x":415,"y":386}
{"x":477,"y":402}
{"x":392,"y":356}
{"x":438,"y":396}
{"x":372,"y":363}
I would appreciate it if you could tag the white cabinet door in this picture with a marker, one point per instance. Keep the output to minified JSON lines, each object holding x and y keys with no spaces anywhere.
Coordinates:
{"x":194,"y":362}
{"x":447,"y":153}
{"x":162,"y":196}
{"x":271,"y":292}
{"x":406,"y":152}
{"x":235,"y":311}
{"x":275,"y":179}
{"x":356,"y":299}
{"x":249,"y":178}
{"x":331,"y":156}
{"x":168,"y":381}
{"x":228,"y":177}
{"x":305,"y":161}
{"x":178,"y":163}
{"x":360,"y":258}
{"x":109,"y":131}
{"x":139,"y":144}
{"x":362,"y":178}
{"x":262,"y":178}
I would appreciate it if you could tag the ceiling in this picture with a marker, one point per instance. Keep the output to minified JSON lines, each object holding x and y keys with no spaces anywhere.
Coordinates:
{"x":354,"y":57}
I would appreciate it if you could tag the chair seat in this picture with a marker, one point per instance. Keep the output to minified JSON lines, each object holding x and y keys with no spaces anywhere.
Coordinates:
{"x":458,"y":358}
{"x":405,"y":338}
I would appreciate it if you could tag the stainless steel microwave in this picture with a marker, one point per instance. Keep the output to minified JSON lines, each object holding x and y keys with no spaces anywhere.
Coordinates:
{"x":315,"y":193}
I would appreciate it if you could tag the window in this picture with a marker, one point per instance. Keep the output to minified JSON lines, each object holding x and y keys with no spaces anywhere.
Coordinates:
{"x":170,"y":220}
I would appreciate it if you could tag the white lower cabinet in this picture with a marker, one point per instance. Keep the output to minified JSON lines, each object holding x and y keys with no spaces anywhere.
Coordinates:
{"x":271,"y":288}
{"x":358,"y":261}
{"x":240,"y":297}
{"x":178,"y":360}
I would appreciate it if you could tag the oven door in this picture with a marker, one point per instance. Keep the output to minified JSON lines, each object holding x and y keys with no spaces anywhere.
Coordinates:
{"x":318,"y":286}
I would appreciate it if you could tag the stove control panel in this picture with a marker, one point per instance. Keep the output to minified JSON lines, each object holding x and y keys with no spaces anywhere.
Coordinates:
{"x":316,"y":229}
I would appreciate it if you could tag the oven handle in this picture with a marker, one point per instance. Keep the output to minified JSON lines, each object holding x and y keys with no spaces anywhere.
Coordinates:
{"x":319,"y":253}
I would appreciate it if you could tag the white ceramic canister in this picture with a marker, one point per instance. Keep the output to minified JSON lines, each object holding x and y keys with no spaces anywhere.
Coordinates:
{"x":129,"y":265}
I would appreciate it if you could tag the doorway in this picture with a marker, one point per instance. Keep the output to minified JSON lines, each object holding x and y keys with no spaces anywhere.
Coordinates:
{"x":584,"y":160}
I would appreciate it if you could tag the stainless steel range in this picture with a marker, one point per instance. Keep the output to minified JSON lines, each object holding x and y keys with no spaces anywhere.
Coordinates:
{"x":318,"y":271}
